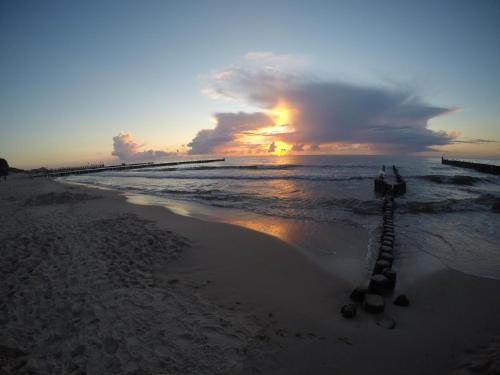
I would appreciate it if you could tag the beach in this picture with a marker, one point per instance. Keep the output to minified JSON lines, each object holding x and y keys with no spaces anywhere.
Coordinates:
{"x":93,"y":284}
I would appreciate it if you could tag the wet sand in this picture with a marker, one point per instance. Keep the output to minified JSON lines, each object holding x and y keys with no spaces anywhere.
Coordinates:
{"x":93,"y":284}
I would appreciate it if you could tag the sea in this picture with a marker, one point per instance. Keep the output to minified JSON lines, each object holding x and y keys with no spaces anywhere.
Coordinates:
{"x":448,"y":213}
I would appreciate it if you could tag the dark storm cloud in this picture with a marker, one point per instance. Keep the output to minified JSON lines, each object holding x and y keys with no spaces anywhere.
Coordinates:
{"x":389,"y":119}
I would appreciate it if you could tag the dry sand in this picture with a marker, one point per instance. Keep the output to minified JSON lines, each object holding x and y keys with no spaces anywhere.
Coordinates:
{"x":92,"y":284}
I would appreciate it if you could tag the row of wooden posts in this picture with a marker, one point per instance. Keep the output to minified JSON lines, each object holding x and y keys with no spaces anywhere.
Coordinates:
{"x":383,"y":277}
{"x":120,"y":167}
{"x":485,"y":168}
{"x":382,"y":186}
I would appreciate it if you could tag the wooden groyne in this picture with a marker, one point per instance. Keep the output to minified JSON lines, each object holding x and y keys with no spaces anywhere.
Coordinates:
{"x":383,"y":277}
{"x":120,"y":167}
{"x":485,"y":168}
{"x":386,"y":185}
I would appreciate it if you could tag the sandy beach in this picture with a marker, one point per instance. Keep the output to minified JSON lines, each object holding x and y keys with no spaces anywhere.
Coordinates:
{"x":92,"y":284}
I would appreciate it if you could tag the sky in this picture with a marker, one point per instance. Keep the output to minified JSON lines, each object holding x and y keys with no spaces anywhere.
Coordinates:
{"x":102,"y":81}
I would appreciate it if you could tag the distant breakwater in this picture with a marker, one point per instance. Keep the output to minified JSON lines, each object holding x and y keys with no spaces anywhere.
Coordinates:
{"x":120,"y":167}
{"x":485,"y":168}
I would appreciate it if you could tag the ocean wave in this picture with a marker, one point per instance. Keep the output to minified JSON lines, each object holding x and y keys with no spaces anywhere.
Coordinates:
{"x":277,"y":167}
{"x":228,"y":167}
{"x":209,"y":195}
{"x":363,"y":207}
{"x":241,"y":177}
{"x":456,"y":180}
{"x":483,"y":202}
{"x":254,"y":202}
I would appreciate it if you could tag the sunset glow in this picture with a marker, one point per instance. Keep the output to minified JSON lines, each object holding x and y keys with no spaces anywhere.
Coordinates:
{"x":281,"y":114}
{"x":269,"y":85}
{"x":280,"y":148}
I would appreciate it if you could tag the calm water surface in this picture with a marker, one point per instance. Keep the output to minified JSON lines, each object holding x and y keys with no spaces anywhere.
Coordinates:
{"x":447,"y":211}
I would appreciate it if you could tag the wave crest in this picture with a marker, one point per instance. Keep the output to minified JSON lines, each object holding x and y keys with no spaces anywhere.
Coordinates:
{"x":483,"y":202}
{"x":454,"y":180}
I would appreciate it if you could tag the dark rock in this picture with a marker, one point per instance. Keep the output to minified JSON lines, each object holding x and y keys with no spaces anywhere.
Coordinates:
{"x":358,"y":294}
{"x":348,"y":311}
{"x":374,"y":304}
{"x":402,"y":300}
{"x":386,"y":322}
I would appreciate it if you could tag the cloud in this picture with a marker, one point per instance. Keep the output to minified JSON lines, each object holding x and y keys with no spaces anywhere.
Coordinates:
{"x":385,"y":119}
{"x":228,"y":127}
{"x":126,"y":149}
{"x":475,"y":141}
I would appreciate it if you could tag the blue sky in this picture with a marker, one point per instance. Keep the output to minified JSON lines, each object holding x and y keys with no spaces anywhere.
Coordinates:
{"x":75,"y":74}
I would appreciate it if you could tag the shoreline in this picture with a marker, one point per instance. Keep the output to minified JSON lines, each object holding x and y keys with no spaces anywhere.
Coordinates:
{"x":319,"y":242}
{"x":280,"y":311}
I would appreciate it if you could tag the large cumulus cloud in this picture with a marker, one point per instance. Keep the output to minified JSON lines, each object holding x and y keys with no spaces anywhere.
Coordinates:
{"x":387,"y":119}
{"x":126,"y":149}
{"x":228,"y":127}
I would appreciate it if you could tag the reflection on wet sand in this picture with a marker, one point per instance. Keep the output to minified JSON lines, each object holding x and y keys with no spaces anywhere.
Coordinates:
{"x":340,"y":248}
